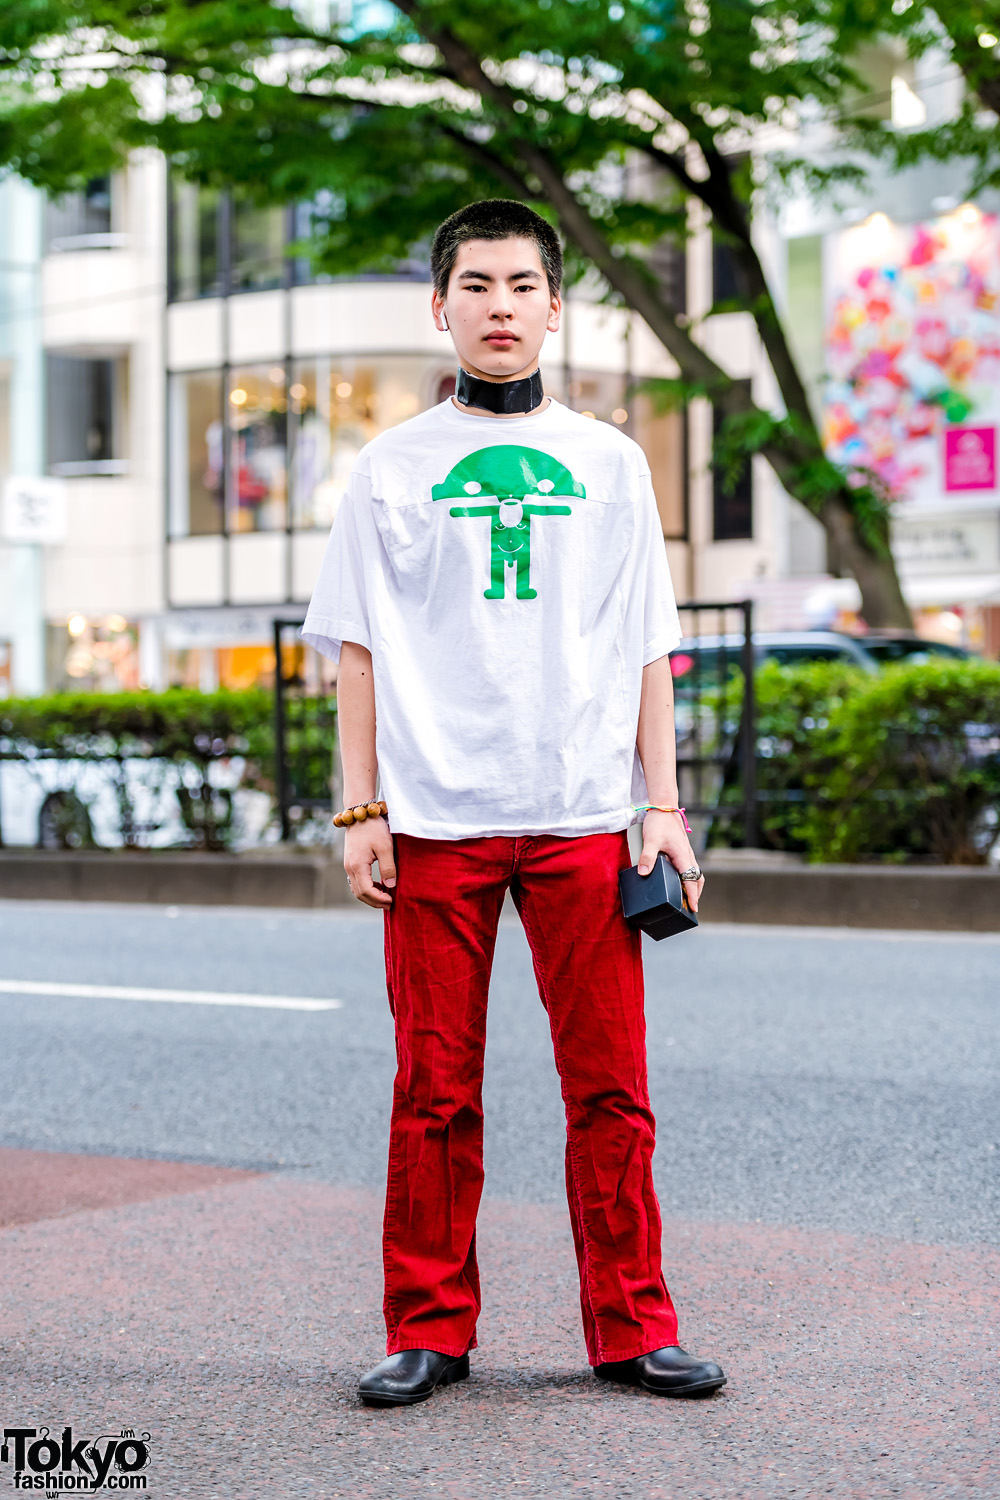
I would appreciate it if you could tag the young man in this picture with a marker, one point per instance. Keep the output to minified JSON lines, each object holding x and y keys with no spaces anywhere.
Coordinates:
{"x":497,"y":592}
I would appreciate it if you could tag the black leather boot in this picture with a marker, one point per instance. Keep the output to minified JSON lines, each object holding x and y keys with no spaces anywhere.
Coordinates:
{"x":665,"y":1372}
{"x":411,"y":1376}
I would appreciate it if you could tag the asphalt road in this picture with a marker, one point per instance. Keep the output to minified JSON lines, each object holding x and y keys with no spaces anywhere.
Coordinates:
{"x":829,"y":1132}
{"x":849,"y":1081}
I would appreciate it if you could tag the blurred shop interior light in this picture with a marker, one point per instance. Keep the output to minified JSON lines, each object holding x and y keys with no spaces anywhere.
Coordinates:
{"x":876,"y":233}
{"x":76,"y":624}
{"x":907,"y":107}
{"x":238,"y":396}
{"x":116,"y":624}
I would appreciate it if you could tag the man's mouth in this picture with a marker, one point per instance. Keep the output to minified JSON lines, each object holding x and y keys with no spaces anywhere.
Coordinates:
{"x":502,"y":340}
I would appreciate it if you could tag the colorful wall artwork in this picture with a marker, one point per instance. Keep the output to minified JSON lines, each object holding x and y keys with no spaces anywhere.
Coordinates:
{"x":913,"y":354}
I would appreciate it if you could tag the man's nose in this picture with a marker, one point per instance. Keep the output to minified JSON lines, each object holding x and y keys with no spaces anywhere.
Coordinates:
{"x":502,"y":306}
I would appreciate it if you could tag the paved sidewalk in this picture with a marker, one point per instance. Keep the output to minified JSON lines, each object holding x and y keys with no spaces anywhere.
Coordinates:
{"x":230,"y":1314}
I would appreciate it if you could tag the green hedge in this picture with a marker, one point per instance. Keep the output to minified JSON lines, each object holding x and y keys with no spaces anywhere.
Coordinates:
{"x":902,"y":764}
{"x":179,"y":727}
{"x":182,"y":726}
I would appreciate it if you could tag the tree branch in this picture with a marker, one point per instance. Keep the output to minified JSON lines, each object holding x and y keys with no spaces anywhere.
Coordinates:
{"x":621,"y":274}
{"x":977,"y":64}
{"x":493,"y":163}
{"x":788,"y":453}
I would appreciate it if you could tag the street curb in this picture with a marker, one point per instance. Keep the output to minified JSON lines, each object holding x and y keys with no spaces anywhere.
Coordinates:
{"x":936,"y":898}
{"x":176,"y":878}
{"x":926,"y":898}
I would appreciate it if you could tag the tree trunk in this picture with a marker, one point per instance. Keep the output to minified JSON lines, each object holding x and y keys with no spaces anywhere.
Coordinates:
{"x":882,"y":604}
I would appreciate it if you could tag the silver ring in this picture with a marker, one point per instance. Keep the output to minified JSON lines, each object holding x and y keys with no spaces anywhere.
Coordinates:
{"x":693,"y":874}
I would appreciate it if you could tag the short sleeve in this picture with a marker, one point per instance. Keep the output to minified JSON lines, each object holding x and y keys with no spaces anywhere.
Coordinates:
{"x":338,"y":610}
{"x":661,"y":623}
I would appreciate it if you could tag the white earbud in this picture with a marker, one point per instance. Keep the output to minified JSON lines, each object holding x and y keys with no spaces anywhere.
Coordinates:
{"x":444,"y":320}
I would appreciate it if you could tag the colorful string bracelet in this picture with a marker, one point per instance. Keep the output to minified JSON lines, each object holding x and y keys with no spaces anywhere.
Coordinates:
{"x":655,"y":807}
{"x":359,"y":813}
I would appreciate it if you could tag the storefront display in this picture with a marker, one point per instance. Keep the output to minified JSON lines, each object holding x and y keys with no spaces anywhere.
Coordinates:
{"x":913,"y":355}
{"x":912,"y":346}
{"x":268,"y":448}
{"x":93,"y":655}
{"x":338,"y":405}
{"x":196,"y":467}
{"x":257,"y":481}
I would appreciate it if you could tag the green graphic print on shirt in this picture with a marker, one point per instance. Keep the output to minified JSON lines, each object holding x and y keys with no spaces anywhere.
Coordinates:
{"x":506,"y":479}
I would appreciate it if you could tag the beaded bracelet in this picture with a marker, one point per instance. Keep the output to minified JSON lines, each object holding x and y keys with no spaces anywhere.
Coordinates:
{"x":655,"y":807}
{"x":359,"y":813}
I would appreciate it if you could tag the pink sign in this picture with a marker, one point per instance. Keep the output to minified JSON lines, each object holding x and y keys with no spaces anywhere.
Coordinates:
{"x":970,"y":458}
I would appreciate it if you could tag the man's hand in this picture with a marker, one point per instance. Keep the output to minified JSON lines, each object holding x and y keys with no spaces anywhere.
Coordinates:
{"x":363,"y":844}
{"x":664,"y":832}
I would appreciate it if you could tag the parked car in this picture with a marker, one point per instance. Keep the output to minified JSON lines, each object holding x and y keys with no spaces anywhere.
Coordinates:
{"x":706,"y":660}
{"x":903,"y":645}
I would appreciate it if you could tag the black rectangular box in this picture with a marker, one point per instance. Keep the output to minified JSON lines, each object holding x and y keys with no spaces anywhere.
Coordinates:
{"x":656,"y":902}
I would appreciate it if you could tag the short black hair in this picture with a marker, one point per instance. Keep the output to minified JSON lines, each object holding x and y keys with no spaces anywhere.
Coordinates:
{"x":495,"y":219}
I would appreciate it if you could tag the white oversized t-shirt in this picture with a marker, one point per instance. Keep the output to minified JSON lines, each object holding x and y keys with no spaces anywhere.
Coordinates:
{"x":509,"y":578}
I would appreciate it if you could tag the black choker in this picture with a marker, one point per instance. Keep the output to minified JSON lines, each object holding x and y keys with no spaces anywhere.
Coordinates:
{"x":504,"y":398}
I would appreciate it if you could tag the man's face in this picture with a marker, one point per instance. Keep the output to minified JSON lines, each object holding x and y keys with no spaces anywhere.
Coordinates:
{"x":498,"y":307}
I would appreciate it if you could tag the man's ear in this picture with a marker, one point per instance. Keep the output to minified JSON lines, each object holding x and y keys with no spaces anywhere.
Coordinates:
{"x":438,"y":312}
{"x":555,"y":313}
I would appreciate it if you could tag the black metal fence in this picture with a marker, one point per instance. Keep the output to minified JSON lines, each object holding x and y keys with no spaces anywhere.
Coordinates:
{"x":306,"y":769}
{"x":715,"y":713}
{"x":716,"y":718}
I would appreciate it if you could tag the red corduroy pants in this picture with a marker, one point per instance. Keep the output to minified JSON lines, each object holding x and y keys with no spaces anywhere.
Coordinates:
{"x":439,"y":939}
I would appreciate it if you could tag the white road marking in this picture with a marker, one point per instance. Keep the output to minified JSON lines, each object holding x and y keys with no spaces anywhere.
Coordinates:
{"x":183,"y":997}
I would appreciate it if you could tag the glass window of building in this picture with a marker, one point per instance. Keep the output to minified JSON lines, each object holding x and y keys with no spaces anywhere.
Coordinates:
{"x":93,"y":655}
{"x":196,"y":454}
{"x":258,"y":246}
{"x":257,"y":477}
{"x":725,"y":273}
{"x":337,"y":406}
{"x":668,"y":262}
{"x":306,"y":219}
{"x":732,"y":496}
{"x":84,"y":422}
{"x":77,"y":220}
{"x":197,"y":263}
